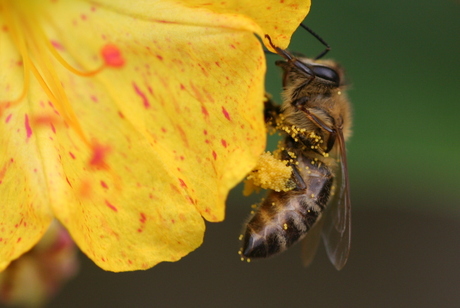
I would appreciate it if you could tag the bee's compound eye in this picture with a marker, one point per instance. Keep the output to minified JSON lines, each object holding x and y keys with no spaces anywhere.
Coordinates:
{"x":327,"y":73}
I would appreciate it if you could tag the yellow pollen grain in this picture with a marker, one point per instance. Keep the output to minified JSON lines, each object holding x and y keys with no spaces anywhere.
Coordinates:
{"x":312,"y":195}
{"x":285,"y":226}
{"x":240,"y":238}
{"x":271,"y":173}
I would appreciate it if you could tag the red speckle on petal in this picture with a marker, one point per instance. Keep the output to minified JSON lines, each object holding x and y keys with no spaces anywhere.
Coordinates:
{"x":143,"y":218}
{"x":19,"y":239}
{"x":99,"y":155}
{"x":72,"y":155}
{"x":112,"y":56}
{"x":174,"y":187}
{"x":68,"y":182}
{"x":226,"y":114}
{"x":205,"y":132}
{"x":111,"y":206}
{"x":183,"y":135}
{"x":103,"y":184}
{"x":150,"y":91}
{"x":224,"y":143}
{"x":3,"y":171}
{"x":182,"y":183}
{"x":214,"y":154}
{"x":27,"y":126}
{"x":204,"y":111}
{"x":57,"y":45}
{"x":44,"y":120}
{"x":160,"y":57}
{"x":182,"y":87}
{"x":8,"y":118}
{"x":145,"y":101}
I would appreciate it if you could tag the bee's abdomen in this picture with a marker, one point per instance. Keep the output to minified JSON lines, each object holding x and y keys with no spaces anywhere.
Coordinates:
{"x":285,"y":217}
{"x":279,"y":223}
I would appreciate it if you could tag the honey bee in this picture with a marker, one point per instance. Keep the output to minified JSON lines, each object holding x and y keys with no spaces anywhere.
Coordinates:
{"x":315,"y":119}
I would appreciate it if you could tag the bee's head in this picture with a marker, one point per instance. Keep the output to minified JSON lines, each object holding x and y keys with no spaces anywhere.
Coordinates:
{"x":310,"y":72}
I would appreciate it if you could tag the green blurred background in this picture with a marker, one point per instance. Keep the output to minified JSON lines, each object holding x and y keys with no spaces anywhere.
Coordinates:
{"x":402,"y":61}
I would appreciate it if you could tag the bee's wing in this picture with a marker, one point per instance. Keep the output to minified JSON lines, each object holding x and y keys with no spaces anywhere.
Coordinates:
{"x":310,"y":242}
{"x":337,"y":219}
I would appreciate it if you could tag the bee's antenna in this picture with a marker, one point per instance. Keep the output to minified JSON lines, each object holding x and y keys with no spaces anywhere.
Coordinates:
{"x":304,"y":67}
{"x":319,"y":39}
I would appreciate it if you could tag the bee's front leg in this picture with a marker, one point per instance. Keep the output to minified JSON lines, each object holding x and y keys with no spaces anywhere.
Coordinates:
{"x":271,"y":111}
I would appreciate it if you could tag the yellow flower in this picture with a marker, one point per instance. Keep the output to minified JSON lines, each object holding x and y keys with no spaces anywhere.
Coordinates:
{"x":129,"y":121}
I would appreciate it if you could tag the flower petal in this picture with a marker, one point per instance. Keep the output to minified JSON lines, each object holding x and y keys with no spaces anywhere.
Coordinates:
{"x":279,"y":19}
{"x":24,"y":191}
{"x":133,"y":156}
{"x":166,"y":128}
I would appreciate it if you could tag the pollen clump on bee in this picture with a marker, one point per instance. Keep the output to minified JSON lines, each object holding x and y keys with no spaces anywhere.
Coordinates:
{"x":270,"y":173}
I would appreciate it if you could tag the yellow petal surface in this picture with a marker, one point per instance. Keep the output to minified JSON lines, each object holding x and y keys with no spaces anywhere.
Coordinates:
{"x":131,"y":158}
{"x":24,"y":202}
{"x":279,"y":18}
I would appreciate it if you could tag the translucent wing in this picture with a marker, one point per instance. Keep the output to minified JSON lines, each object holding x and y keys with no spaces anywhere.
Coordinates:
{"x":310,"y":242}
{"x":337,"y":219}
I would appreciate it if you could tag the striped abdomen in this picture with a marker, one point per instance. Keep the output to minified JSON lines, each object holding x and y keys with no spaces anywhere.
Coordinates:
{"x":284,"y":218}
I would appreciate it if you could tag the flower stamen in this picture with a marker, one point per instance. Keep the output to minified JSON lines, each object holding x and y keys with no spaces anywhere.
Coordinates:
{"x":37,"y":53}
